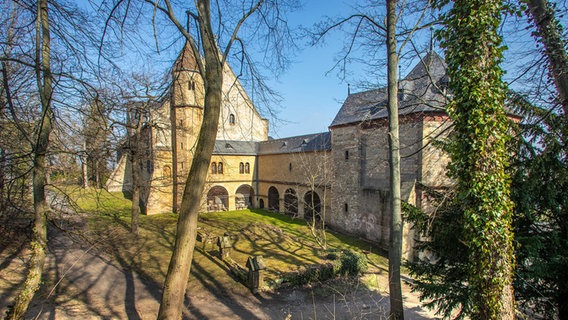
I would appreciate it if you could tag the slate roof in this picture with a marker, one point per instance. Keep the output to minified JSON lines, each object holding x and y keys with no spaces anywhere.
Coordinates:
{"x":420,"y":91}
{"x":305,"y":143}
{"x":226,"y":147}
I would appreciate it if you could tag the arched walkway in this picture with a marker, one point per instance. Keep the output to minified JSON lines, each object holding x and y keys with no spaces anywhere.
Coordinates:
{"x":312,"y":205}
{"x":290,"y":202}
{"x":273,"y":199}
{"x":244,"y":197}
{"x":217,"y":199}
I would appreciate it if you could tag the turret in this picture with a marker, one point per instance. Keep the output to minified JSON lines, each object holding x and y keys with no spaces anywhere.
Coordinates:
{"x":187,"y":100}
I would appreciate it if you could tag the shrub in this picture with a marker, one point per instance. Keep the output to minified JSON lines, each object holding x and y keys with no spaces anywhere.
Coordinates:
{"x":353,"y":263}
{"x":346,"y":263}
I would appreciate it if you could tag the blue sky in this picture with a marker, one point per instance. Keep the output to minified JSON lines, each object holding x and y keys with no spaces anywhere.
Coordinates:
{"x":312,"y":95}
{"x":311,"y":98}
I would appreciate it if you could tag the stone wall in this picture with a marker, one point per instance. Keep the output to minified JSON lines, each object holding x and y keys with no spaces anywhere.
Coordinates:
{"x":361,"y":196}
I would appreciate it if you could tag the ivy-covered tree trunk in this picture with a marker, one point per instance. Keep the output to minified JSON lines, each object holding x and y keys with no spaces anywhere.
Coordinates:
{"x":395,"y":240}
{"x":40,"y":172}
{"x":473,"y":54}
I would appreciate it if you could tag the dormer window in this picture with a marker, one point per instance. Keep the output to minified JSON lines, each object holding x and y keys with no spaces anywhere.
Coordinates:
{"x":232,"y":119}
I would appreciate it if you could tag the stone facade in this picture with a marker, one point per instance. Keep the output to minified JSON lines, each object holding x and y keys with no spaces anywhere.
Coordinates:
{"x":341,"y":175}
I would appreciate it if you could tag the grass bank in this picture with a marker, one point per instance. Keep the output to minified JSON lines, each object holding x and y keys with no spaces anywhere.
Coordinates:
{"x":285,"y":243}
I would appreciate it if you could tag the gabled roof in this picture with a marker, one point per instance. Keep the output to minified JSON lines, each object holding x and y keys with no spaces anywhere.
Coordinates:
{"x":226,"y":147}
{"x":304,"y":143}
{"x":422,"y":90}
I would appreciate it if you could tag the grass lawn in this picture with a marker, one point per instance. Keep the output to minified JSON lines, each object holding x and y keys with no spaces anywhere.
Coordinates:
{"x":285,"y":243}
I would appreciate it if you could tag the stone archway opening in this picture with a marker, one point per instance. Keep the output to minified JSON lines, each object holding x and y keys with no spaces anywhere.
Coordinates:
{"x":290,"y":202}
{"x":244,"y":197}
{"x":217,"y":199}
{"x":312,"y":206}
{"x":273,"y":199}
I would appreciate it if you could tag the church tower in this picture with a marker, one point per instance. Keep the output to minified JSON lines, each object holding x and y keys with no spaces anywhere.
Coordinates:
{"x":187,"y":101}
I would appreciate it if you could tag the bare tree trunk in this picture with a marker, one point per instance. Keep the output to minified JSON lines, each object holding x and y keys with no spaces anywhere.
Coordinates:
{"x":550,"y":34}
{"x":135,"y":193}
{"x":41,"y":207}
{"x":135,"y":158}
{"x":84,"y":169}
{"x":395,"y":243}
{"x":2,"y":180}
{"x":180,"y":264}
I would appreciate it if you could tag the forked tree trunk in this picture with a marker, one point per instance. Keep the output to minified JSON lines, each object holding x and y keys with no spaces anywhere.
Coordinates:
{"x":395,"y":243}
{"x":180,"y":265}
{"x":41,"y":207}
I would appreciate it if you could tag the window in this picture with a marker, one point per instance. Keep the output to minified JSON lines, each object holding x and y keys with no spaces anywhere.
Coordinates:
{"x":345,"y":207}
{"x":247,"y":167}
{"x":213,"y":168}
{"x":181,"y":145}
{"x":231,"y":119}
{"x":191,"y":85}
{"x":241,"y":168}
{"x":290,"y":167}
{"x":220,"y":168}
{"x":346,"y":154}
{"x":167,"y":172}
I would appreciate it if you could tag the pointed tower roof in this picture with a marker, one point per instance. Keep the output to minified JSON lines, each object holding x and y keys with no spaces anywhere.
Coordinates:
{"x":186,"y":59}
{"x":422,"y":90}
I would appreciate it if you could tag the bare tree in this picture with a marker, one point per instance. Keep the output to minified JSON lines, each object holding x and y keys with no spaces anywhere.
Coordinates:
{"x":44,"y":80}
{"x":369,"y":34}
{"x":48,"y":71}
{"x":314,"y":162}
{"x":266,"y":18}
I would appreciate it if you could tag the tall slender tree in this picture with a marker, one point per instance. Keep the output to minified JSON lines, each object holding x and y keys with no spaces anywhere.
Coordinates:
{"x":44,"y":80}
{"x":395,"y":240}
{"x":478,"y":155}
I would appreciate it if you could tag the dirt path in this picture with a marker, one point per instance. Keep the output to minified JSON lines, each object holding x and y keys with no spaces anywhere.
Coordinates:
{"x":81,"y":284}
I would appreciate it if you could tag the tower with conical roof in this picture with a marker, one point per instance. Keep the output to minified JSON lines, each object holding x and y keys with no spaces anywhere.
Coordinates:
{"x":186,"y":113}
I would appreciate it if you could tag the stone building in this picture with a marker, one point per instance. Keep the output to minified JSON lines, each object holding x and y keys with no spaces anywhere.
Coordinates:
{"x":341,"y":175}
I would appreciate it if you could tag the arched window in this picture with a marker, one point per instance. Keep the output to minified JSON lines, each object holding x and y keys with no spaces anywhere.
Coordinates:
{"x":213,"y":168}
{"x":241,"y":168}
{"x":167,"y":172}
{"x":290,"y":167}
{"x":220,"y":168}
{"x":247,"y":167}
{"x":231,"y":119}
